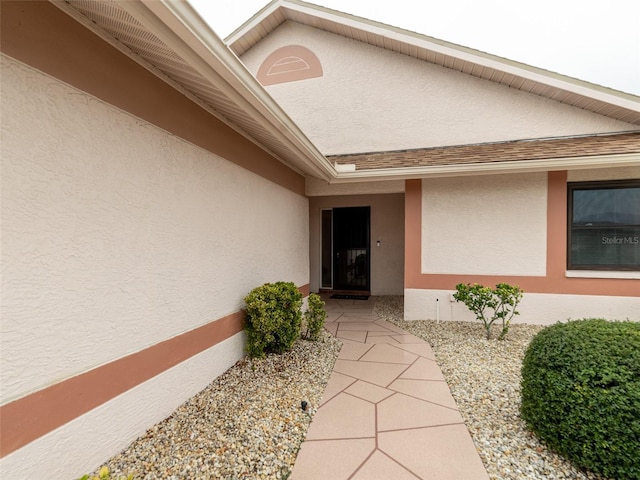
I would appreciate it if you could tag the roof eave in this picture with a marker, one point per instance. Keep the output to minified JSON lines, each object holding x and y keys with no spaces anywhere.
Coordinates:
{"x":181,"y":28}
{"x":198,"y":35}
{"x":519,"y":166}
{"x":252,"y":22}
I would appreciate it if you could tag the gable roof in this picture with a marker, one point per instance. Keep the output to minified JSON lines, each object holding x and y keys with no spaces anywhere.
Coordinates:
{"x":601,"y":100}
{"x":610,"y":150}
{"x":171,"y":40}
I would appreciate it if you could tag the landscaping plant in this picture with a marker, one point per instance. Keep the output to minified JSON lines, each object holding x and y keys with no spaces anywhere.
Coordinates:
{"x":581,"y":394}
{"x":273,"y":318}
{"x":314,"y":317}
{"x":490,"y":305}
{"x":104,"y":474}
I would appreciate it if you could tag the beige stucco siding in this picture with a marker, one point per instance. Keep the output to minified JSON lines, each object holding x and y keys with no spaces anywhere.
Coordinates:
{"x":485,"y":225}
{"x":117,"y":235}
{"x":370,"y":99}
{"x":511,"y":229}
{"x":85,"y":443}
{"x":535,"y":308}
{"x":387,"y":226}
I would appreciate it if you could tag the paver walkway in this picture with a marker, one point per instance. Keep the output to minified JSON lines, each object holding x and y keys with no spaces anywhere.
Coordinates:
{"x":387,"y":412}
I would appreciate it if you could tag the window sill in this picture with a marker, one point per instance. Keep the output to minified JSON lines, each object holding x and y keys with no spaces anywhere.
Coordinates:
{"x":635,"y":275}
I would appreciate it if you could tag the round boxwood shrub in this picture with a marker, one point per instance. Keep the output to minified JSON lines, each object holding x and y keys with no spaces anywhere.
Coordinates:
{"x":273,"y":318}
{"x":581,"y":394}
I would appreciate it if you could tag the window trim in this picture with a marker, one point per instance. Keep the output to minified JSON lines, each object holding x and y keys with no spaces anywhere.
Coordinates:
{"x":594,"y":185}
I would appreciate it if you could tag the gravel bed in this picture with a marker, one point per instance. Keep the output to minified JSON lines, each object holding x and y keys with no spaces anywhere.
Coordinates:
{"x":484,"y":378}
{"x":247,"y":424}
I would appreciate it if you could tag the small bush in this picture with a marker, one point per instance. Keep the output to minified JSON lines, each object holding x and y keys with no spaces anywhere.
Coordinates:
{"x":273,"y":318}
{"x":581,"y":393}
{"x":490,"y":305}
{"x":314,"y":318}
{"x":104,"y":474}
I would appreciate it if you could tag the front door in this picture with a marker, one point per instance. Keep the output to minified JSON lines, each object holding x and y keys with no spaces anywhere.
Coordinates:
{"x":351,"y":233}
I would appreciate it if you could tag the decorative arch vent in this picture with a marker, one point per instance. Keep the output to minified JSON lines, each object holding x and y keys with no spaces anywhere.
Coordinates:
{"x":289,"y":64}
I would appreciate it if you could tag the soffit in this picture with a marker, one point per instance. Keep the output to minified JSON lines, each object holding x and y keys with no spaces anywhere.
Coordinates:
{"x":183,"y":55}
{"x":577,"y":93}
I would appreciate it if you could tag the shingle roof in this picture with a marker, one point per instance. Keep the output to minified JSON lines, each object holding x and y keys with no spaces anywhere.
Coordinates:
{"x":538,"y":149}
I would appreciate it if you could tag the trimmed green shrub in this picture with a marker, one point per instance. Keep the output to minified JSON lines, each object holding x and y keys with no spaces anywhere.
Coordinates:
{"x":581,"y":394}
{"x":314,"y":318}
{"x":490,"y":305}
{"x":273,"y":318}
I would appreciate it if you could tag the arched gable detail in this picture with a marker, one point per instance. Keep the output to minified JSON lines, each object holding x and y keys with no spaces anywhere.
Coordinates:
{"x":289,"y":64}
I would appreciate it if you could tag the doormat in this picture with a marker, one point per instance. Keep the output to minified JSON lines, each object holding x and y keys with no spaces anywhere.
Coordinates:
{"x":350,"y":297}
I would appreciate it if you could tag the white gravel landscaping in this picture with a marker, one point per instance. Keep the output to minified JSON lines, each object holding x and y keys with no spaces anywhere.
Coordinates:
{"x":249,"y":424}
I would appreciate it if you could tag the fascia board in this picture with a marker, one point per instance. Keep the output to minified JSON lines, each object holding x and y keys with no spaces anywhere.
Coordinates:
{"x":518,"y":69}
{"x":520,"y":166}
{"x":183,"y":29}
{"x":255,"y":20}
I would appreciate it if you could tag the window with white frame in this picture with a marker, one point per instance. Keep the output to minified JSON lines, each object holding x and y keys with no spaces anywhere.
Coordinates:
{"x":604,"y":225}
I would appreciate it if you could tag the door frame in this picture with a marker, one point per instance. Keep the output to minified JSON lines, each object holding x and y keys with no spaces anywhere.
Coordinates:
{"x":332,"y":252}
{"x":322,"y":252}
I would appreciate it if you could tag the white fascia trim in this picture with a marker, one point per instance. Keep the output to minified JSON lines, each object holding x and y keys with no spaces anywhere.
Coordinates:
{"x":596,"y":92}
{"x":180,"y":26}
{"x":255,"y":20}
{"x":520,"y":166}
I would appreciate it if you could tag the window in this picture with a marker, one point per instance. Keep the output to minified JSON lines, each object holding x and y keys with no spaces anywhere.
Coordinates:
{"x":604,"y":225}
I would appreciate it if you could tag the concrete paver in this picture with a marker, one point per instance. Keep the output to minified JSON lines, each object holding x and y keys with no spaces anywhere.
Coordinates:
{"x":387,"y":411}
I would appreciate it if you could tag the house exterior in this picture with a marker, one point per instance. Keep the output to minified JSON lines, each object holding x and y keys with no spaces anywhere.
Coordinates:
{"x":148,"y":184}
{"x":151,"y":179}
{"x":481,"y":157}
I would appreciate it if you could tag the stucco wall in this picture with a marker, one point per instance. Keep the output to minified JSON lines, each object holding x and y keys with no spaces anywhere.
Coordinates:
{"x":117,"y":236}
{"x":535,"y":308}
{"x":83,"y":444}
{"x":485,"y":225}
{"x":387,"y":225}
{"x":370,"y":99}
{"x":533,"y":221}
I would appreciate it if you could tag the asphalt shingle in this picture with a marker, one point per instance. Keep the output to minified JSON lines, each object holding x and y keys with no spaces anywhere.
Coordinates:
{"x":539,"y":149}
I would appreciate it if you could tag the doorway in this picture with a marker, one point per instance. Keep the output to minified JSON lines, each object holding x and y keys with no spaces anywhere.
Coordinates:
{"x":345,"y":248}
